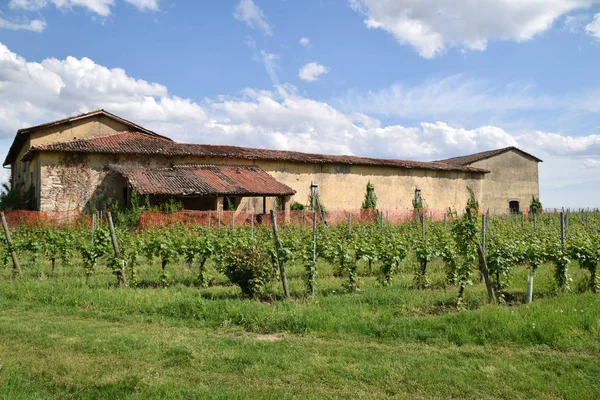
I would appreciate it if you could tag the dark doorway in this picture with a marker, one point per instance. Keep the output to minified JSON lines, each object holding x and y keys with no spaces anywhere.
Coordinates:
{"x":513,"y":206}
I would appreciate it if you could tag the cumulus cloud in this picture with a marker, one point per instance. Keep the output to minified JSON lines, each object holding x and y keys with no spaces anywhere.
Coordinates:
{"x":311,"y":71}
{"x":304,"y":41}
{"x":247,"y":11}
{"x":593,"y":28}
{"x":432,"y":26}
{"x":32,"y":92}
{"x":35,"y":25}
{"x":100,"y":7}
{"x":281,"y":118}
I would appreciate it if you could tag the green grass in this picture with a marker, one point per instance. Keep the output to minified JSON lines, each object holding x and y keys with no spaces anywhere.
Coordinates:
{"x":60,"y":339}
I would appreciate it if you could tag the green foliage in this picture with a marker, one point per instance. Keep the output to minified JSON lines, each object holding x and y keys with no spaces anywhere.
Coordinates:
{"x":247,"y":263}
{"x":370,"y":201}
{"x":465,"y":234}
{"x":425,"y":252}
{"x":586,"y":250}
{"x":15,"y":197}
{"x":391,"y":251}
{"x":297,"y":206}
{"x":90,"y":253}
{"x":535,"y":206}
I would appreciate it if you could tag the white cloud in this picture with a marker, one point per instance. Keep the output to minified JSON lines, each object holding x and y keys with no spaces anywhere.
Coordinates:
{"x":35,"y":25}
{"x":311,"y":71}
{"x":593,"y":28}
{"x":269,"y":60}
{"x":592,"y":162}
{"x":247,"y":11}
{"x":432,"y":26}
{"x":281,"y":118}
{"x":32,"y":92}
{"x":100,"y":7}
{"x":446,"y":97}
{"x":574,"y":23}
{"x":304,"y":41}
{"x":144,"y":4}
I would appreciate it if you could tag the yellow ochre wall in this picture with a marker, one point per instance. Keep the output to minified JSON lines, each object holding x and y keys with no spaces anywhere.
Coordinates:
{"x":513,"y":176}
{"x":70,"y":181}
{"x":67,"y":182}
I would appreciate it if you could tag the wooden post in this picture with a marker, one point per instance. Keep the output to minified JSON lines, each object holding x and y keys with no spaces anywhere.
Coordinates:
{"x":444,"y":219}
{"x":483,"y":233}
{"x":94,"y":222}
{"x":219,"y":219}
{"x":562,"y":231}
{"x":277,"y":251}
{"x":313,"y":265}
{"x":422,"y":226}
{"x":113,"y":237}
{"x":535,"y":222}
{"x":233,"y":220}
{"x":381,"y":219}
{"x":349,"y":222}
{"x":302,"y":218}
{"x":13,"y":254}
{"x":209,"y":213}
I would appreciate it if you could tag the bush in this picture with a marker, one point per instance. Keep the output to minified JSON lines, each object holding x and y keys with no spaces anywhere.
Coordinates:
{"x":370,"y":201}
{"x":535,"y":206}
{"x":249,"y":266}
{"x":297,"y":206}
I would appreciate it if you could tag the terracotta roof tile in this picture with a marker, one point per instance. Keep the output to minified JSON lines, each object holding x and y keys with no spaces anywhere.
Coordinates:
{"x":471,"y":158}
{"x":136,"y":143}
{"x":22,"y":133}
{"x":203,"y":180}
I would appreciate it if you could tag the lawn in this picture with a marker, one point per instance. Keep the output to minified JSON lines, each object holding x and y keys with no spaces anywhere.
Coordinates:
{"x":60,"y":339}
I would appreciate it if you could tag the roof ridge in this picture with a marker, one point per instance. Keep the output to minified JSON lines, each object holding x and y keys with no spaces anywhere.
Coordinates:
{"x":145,"y":146}
{"x":468,"y":159}
{"x":87,"y":139}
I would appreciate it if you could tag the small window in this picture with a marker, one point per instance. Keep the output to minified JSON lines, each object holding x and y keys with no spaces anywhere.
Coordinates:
{"x":513,"y":206}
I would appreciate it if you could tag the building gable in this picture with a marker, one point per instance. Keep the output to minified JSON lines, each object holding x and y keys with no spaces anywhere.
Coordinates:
{"x":84,"y":126}
{"x":473,"y":158}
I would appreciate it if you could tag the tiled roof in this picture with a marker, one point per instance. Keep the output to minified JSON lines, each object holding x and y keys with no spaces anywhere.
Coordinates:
{"x":136,"y":143}
{"x":471,"y":158}
{"x":23,"y":132}
{"x":203,"y":180}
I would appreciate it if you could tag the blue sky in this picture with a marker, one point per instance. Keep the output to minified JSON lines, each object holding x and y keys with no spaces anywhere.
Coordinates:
{"x":401,"y":79}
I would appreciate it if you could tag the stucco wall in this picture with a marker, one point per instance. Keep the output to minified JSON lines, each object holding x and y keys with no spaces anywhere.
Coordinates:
{"x":512,"y":176}
{"x":70,"y":182}
{"x":98,"y":125}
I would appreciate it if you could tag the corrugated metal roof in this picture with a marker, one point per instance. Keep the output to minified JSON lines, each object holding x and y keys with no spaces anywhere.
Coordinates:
{"x":136,"y":143}
{"x":203,"y":180}
{"x":471,"y":158}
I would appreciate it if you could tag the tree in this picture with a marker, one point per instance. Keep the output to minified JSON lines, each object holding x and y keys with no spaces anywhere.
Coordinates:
{"x":536,"y":205}
{"x":370,"y":202}
{"x":13,"y":197}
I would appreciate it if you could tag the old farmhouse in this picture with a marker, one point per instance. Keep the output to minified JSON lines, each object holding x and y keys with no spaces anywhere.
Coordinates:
{"x":69,"y":162}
